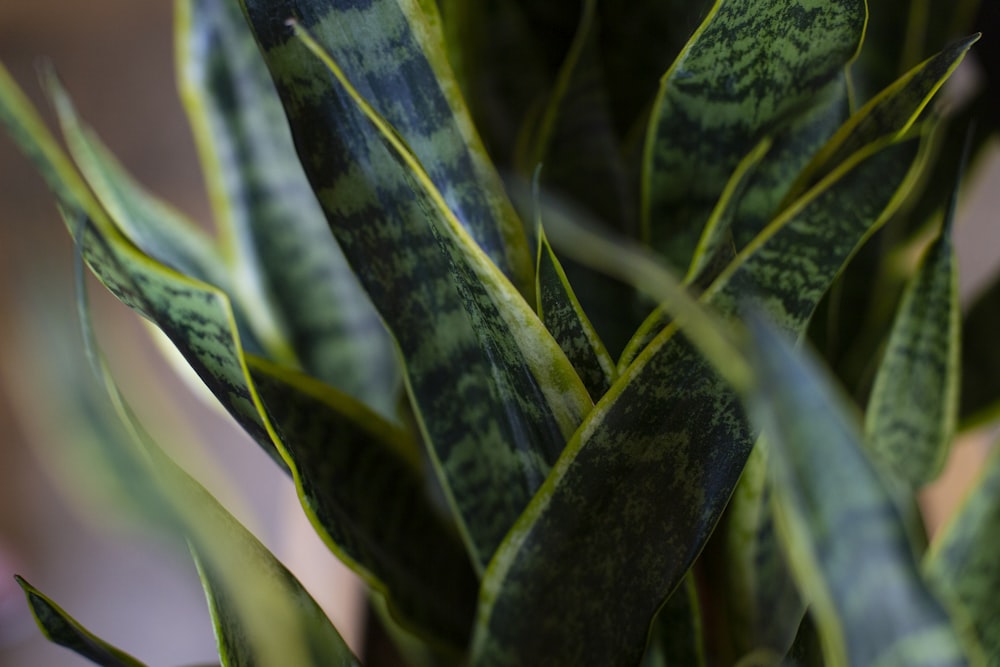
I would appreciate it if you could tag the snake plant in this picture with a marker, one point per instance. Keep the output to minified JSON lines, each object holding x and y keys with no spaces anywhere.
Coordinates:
{"x":590,"y":333}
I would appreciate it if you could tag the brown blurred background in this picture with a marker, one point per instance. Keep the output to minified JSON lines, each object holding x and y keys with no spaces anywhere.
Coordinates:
{"x":115,"y":57}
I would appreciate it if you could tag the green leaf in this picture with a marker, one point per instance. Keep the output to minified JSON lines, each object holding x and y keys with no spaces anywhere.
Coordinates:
{"x":649,"y":472}
{"x":365,"y":494}
{"x":849,"y":551}
{"x":564,"y":318}
{"x":284,"y":259}
{"x":749,"y":66}
{"x":63,"y":629}
{"x":961,"y":565}
{"x":913,"y":407}
{"x":391,"y":52}
{"x":495,"y":395}
{"x":890,"y":113}
{"x":676,"y":637}
{"x":980,"y":394}
{"x":196,"y":317}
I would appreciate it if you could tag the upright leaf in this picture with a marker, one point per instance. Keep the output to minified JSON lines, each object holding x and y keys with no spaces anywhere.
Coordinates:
{"x":565,"y":319}
{"x":849,"y":551}
{"x":913,"y":407}
{"x":61,"y":628}
{"x":495,"y":395}
{"x":962,"y":565}
{"x":392,"y":53}
{"x":748,"y":67}
{"x":284,"y":258}
{"x":647,"y":475}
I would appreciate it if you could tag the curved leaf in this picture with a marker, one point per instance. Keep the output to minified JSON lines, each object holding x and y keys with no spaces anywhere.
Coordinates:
{"x":716,"y":103}
{"x":912,"y":411}
{"x":647,"y":475}
{"x":285,"y":260}
{"x":366,"y":496}
{"x":962,"y":566}
{"x":63,"y":629}
{"x":390,"y":51}
{"x":849,"y":551}
{"x":565,"y":319}
{"x":495,"y":395}
{"x":890,"y":113}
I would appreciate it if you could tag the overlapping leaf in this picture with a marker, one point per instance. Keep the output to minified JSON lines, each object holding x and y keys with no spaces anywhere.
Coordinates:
{"x":61,"y":628}
{"x":962,"y":565}
{"x":564,"y":318}
{"x":849,"y":551}
{"x":391,"y":52}
{"x":748,"y":67}
{"x":284,"y":259}
{"x":495,"y":394}
{"x":913,"y":406}
{"x":367,"y":499}
{"x":657,"y":459}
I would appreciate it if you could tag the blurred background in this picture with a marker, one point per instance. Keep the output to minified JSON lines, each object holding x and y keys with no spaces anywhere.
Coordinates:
{"x":115,"y":57}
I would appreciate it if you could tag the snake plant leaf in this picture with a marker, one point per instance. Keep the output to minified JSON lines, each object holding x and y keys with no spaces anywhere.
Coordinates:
{"x":794,"y":145}
{"x":711,"y":251}
{"x":961,"y":565}
{"x":273,"y":230}
{"x":891,"y":112}
{"x":462,"y":328}
{"x":61,"y":628}
{"x":913,"y":407}
{"x":196,"y":317}
{"x":849,"y":551}
{"x":676,"y":637}
{"x":656,"y":461}
{"x":391,"y":52}
{"x":763,"y":607}
{"x":364,"y":492}
{"x":715,"y":104}
{"x":565,"y":319}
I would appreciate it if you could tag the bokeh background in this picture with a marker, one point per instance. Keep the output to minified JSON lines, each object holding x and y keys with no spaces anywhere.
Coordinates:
{"x":115,"y":57}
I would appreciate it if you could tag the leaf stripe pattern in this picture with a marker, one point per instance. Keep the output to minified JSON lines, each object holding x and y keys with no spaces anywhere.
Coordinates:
{"x":657,"y":459}
{"x":716,"y":103}
{"x":495,"y":395}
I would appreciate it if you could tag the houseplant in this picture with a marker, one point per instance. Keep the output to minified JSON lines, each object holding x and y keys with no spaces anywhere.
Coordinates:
{"x":547,"y":456}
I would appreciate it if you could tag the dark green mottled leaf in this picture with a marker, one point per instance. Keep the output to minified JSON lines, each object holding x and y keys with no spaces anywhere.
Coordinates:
{"x":980,"y":394}
{"x":849,"y":551}
{"x":564,"y":318}
{"x":912,"y":411}
{"x":285,"y":261}
{"x":749,"y":66}
{"x":366,"y":496}
{"x":794,"y":144}
{"x":890,"y":113}
{"x":962,"y":566}
{"x":391,"y":52}
{"x":63,"y":629}
{"x":656,"y":461}
{"x":762,"y":606}
{"x":495,"y":394}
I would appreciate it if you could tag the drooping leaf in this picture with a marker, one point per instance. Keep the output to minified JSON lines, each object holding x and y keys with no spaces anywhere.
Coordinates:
{"x":196,"y":317}
{"x":63,"y":629}
{"x":749,"y":66}
{"x":890,"y":113}
{"x":365,"y":495}
{"x":494,"y":393}
{"x":657,"y":459}
{"x":565,"y":319}
{"x":849,"y":551}
{"x":962,"y":568}
{"x":391,"y":52}
{"x":912,"y":411}
{"x":284,"y":259}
